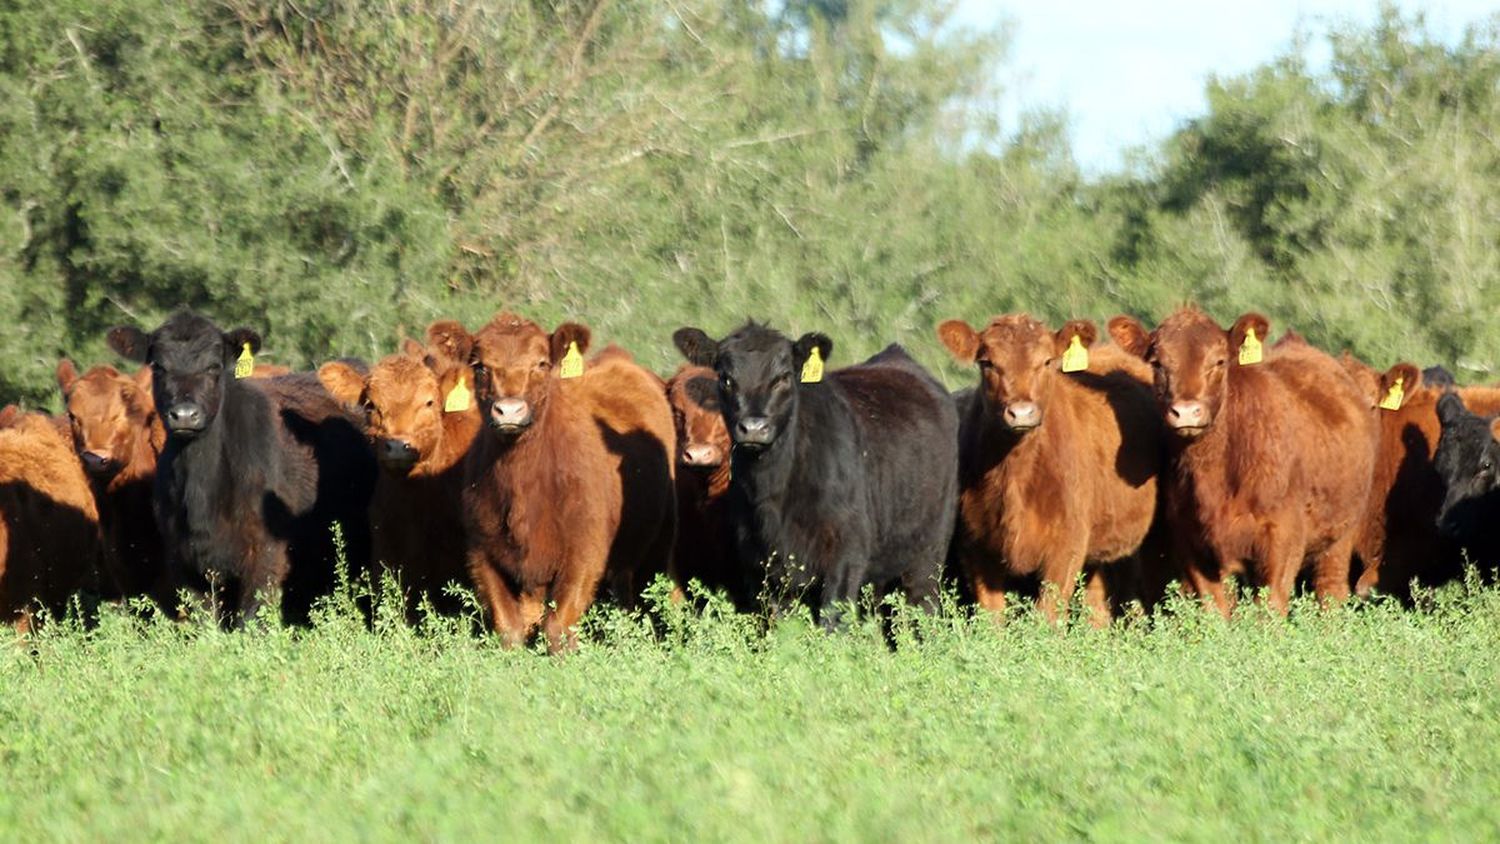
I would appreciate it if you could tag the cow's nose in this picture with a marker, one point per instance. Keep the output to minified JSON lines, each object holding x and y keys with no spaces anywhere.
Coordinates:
{"x":1023,"y":415}
{"x":702,"y":454}
{"x":1187,"y":414}
{"x":185,"y":416}
{"x":397,"y":450}
{"x":510,"y":413}
{"x":753,"y":430}
{"x":97,"y":461}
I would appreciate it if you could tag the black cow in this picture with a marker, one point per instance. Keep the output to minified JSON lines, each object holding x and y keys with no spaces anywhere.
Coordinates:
{"x":836,"y":484}
{"x":1468,"y":459}
{"x":254,"y":472}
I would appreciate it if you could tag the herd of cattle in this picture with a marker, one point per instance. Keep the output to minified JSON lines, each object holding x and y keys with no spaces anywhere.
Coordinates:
{"x":507,"y":462}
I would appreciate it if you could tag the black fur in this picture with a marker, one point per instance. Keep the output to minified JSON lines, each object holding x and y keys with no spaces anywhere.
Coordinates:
{"x":245,"y":503}
{"x":1467,"y":458}
{"x":858,"y":484}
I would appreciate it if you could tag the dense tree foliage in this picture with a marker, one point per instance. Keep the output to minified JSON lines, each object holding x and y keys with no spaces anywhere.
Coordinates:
{"x":339,"y":172}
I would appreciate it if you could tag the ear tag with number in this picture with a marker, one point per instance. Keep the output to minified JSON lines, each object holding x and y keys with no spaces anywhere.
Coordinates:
{"x":244,"y":365}
{"x":1250,"y":349}
{"x":1394,"y":396}
{"x":812,"y":370}
{"x":1076,"y":356}
{"x":572,"y":362}
{"x":458,"y":398}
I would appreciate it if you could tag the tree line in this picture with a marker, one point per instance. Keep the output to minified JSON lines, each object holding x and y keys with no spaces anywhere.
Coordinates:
{"x":340,"y":172}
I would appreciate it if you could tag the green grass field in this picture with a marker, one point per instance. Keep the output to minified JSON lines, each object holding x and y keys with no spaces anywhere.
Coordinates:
{"x":1367,"y":722}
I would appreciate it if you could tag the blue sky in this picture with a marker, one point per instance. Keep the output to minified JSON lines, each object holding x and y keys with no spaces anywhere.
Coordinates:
{"x":1127,"y":73}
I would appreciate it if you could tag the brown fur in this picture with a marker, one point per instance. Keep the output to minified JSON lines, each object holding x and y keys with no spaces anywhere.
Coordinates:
{"x":111,"y":416}
{"x":704,"y":543}
{"x":1279,"y":475}
{"x":416,"y":522}
{"x":584,"y":493}
{"x":1075,"y":494}
{"x":1398,"y":538}
{"x":50,"y":547}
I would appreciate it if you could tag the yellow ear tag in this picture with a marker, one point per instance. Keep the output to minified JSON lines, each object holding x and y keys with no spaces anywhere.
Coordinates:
{"x":1076,"y":356}
{"x":245,"y":363}
{"x":1394,"y":396}
{"x":812,"y":370}
{"x":1250,"y":349}
{"x":458,"y":398}
{"x":572,"y":363}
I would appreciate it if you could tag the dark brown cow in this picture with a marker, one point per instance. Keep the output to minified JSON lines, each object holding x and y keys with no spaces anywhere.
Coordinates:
{"x":1398,"y":539}
{"x":1271,"y":454}
{"x":118,"y":438}
{"x":705,"y":547}
{"x":50,"y":546}
{"x":570,"y":484}
{"x":1057,"y":471}
{"x":421,"y":417}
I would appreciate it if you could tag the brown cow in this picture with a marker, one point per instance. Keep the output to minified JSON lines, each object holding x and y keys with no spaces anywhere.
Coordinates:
{"x":1398,"y":537}
{"x":421,"y":418}
{"x":1270,"y":450}
{"x":50,"y":547}
{"x":571,"y":482}
{"x":118,"y":437}
{"x":705,"y":546}
{"x":1057,"y":471}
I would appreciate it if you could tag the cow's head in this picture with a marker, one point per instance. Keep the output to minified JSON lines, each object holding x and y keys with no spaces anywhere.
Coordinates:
{"x":192,"y":364}
{"x":1017,"y":356}
{"x":515,"y":366}
{"x":403,"y":404}
{"x":107,"y":412}
{"x":1191,"y":358}
{"x":1467,"y":459}
{"x":758,"y":371}
{"x":702,"y":438}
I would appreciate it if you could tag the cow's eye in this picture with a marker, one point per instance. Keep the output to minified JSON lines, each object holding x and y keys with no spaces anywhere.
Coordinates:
{"x":782,"y":381}
{"x":1219,"y":363}
{"x":726,"y":383}
{"x":215,"y":368}
{"x":985,"y":365}
{"x":1485,"y":467}
{"x":544,"y":364}
{"x":431,"y":402}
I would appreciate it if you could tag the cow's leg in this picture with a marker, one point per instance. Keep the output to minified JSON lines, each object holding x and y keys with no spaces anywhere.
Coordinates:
{"x":1207,"y":580}
{"x":986,"y":581}
{"x":1059,"y":578}
{"x":572,"y":594}
{"x":1096,"y":596}
{"x":498,"y":599}
{"x":1331,"y":570}
{"x":1283,"y":549}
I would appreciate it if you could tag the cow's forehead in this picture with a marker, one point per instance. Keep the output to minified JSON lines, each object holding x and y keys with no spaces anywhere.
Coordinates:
{"x":1015,"y":332}
{"x":755,"y":346}
{"x":1189,"y":328}
{"x":400,"y":376}
{"x":696,"y":389}
{"x":509,"y":339}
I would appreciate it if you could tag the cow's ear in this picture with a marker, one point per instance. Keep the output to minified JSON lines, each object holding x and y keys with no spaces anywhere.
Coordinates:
{"x":1243,"y":326}
{"x":412,"y":349}
{"x":1450,"y":409}
{"x":342,"y":382}
{"x":129,"y":342}
{"x":566,"y":336}
{"x":696,"y":346}
{"x":236,"y":340}
{"x":803,"y":348}
{"x":8,"y":415}
{"x":1495,"y":429}
{"x":67,"y":375}
{"x":1129,"y":334}
{"x":960,"y":338}
{"x":1083,"y":329}
{"x":1438,"y":377}
{"x":142,"y":379}
{"x":449,"y":337}
{"x":1397,"y":384}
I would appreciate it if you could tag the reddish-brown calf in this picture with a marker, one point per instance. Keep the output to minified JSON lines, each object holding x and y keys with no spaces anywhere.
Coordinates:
{"x":705,"y":545}
{"x":117,"y":436}
{"x":421,"y":418}
{"x":50,"y":546}
{"x":572,"y":480}
{"x":1398,"y":536}
{"x":1271,"y":452}
{"x":1057,"y":470}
